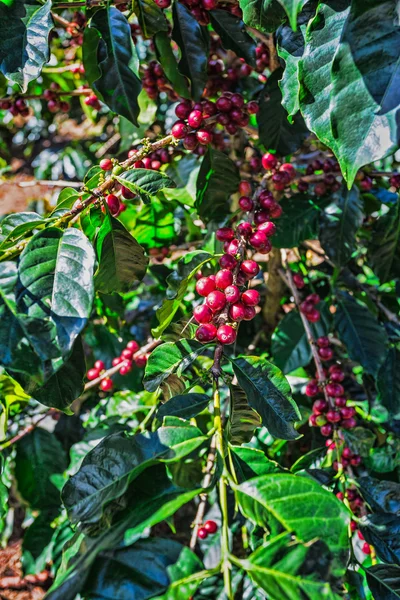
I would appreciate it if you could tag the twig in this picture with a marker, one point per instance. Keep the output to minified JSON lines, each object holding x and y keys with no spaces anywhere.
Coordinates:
{"x":48,"y":182}
{"x":109,"y":144}
{"x":27,"y":429}
{"x":287,"y":277}
{"x":201,"y":509}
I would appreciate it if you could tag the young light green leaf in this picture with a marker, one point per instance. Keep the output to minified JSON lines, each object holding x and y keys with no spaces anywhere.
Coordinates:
{"x":292,"y":9}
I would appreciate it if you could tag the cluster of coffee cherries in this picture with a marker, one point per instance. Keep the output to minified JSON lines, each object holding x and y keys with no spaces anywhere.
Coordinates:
{"x":154,"y":82}
{"x":17,"y":106}
{"x":227,"y":301}
{"x":230,"y":110}
{"x":282,"y":173}
{"x":92,"y":101}
{"x":209,"y":527}
{"x":336,"y":413}
{"x":308,"y":308}
{"x":54,"y":104}
{"x":128,"y":357}
{"x":357,"y":505}
{"x":262,"y":57}
{"x":153,"y":161}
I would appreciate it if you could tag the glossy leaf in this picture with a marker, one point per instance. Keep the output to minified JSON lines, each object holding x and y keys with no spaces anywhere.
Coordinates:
{"x":276,"y":131}
{"x":193,"y":42}
{"x":363,"y":336}
{"x":24,"y":44}
{"x":384,"y":248}
{"x":265,"y":15}
{"x":290,"y":346}
{"x":145,"y":182}
{"x":169,"y":64}
{"x":16,"y":226}
{"x":168,"y":358}
{"x":178,"y":282}
{"x":109,"y":469}
{"x":388,"y":383}
{"x":360,"y":440}
{"x":340,"y":223}
{"x":243,"y":420}
{"x":122,"y":259}
{"x":268,"y":392}
{"x":39,"y":456}
{"x":384,"y":581}
{"x":55,"y":284}
{"x":118,"y":84}
{"x":250,"y":462}
{"x":184,"y":406}
{"x":151,"y":18}
{"x":233,"y":35}
{"x":383,"y":532}
{"x":218,"y":178}
{"x":301,"y":505}
{"x":299,"y":221}
{"x":382,"y":496}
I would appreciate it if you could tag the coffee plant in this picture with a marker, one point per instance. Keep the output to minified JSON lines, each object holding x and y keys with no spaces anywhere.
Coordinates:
{"x":199,"y":299}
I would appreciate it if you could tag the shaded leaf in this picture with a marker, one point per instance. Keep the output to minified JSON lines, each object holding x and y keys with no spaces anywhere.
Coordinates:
{"x":382,"y":496}
{"x":388,"y":383}
{"x":299,"y":221}
{"x":151,"y":18}
{"x":168,"y":358}
{"x":360,"y":440}
{"x":243,"y":420}
{"x":384,"y":248}
{"x":184,"y":406}
{"x":384,"y":581}
{"x":250,"y":462}
{"x":217,"y":180}
{"x":166,"y":57}
{"x":268,"y":392}
{"x":233,"y":35}
{"x":382,"y":531}
{"x":145,"y":182}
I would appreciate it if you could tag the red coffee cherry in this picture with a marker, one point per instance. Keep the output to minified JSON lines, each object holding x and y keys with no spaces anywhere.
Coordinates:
{"x":244,"y":188}
{"x":326,"y":430}
{"x":320,"y":406}
{"x":232,"y":247}
{"x":237,"y":312}
{"x":312,"y":389}
{"x":183,"y":110}
{"x":245,"y":229}
{"x":190,"y":141}
{"x":206,"y":332}
{"x":289,"y":169}
{"x":226,"y":334}
{"x":246,"y":203}
{"x":333,"y":416}
{"x":232,"y":294}
{"x":250,"y":267}
{"x":313,"y":316}
{"x":225,"y":234}
{"x":116,"y":361}
{"x":353,"y":526}
{"x":355,"y":461}
{"x":106,"y":164}
{"x":204,"y":136}
{"x":314,"y":298}
{"x":269,"y":228}
{"x":132,"y":346}
{"x":347,"y":412}
{"x":347,"y":453}
{"x":298,"y":281}
{"x":92,"y":374}
{"x":179,"y":130}
{"x":323,"y":342}
{"x":250,"y":297}
{"x":366,"y":548}
{"x":127,"y":194}
{"x":195,"y":119}
{"x":252,"y":107}
{"x":325,"y":353}
{"x":202,"y":533}
{"x":202,"y":314}
{"x":113,"y":204}
{"x":269,"y":161}
{"x":223,"y":279}
{"x":249,"y":313}
{"x":227,"y":261}
{"x":210,"y":526}
{"x":348,"y":423}
{"x":205,"y":286}
{"x":224,"y":104}
{"x":258,"y":239}
{"x":334,"y":389}
{"x":106,"y":384}
{"x":126,"y":367}
{"x":99,"y":365}
{"x":216,"y":300}
{"x":141,"y":361}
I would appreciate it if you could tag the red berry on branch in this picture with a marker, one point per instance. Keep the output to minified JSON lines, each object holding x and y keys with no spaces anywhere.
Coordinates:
{"x":216,"y":300}
{"x":224,"y":104}
{"x":250,"y":267}
{"x":204,"y":136}
{"x":195,"y":119}
{"x":337,"y":376}
{"x":334,"y":389}
{"x":106,"y":164}
{"x":298,"y":281}
{"x":232,"y":247}
{"x":203,"y":314}
{"x":325,"y":353}
{"x":179,"y":130}
{"x":225,"y":234}
{"x":126,"y":368}
{"x":232,"y":294}
{"x":250,"y":298}
{"x":323,"y":342}
{"x":326,"y":430}
{"x":353,"y":526}
{"x":237,"y":312}
{"x":245,"y":229}
{"x":312,"y":389}
{"x":252,"y":107}
{"x":202,"y":533}
{"x":223,"y":279}
{"x":116,"y":361}
{"x":269,"y":228}
{"x":113,"y":204}
{"x":92,"y":374}
{"x":226,"y":334}
{"x":244,"y":188}
{"x":133,"y":346}
{"x":205,"y":286}
{"x":183,"y":110}
{"x":347,"y":453}
{"x":190,"y":141}
{"x":211,"y":526}
{"x":141,"y":361}
{"x":127,"y":354}
{"x":313,"y":316}
{"x":269,"y":161}
{"x":333,"y":416}
{"x":356,"y":460}
{"x":246,"y":203}
{"x":127,"y":194}
{"x":366,"y":548}
{"x":320,"y":406}
{"x":348,"y":423}
{"x":206,"y":332}
{"x":106,"y":384}
{"x":258,"y":239}
{"x":249,"y":313}
{"x":227,"y":261}
{"x":347,"y":412}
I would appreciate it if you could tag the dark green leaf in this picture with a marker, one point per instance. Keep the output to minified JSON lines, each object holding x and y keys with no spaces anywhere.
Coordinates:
{"x":384,"y":581}
{"x":184,"y":406}
{"x":233,"y":35}
{"x":276,"y":132}
{"x":250,"y":462}
{"x":301,"y":505}
{"x":384,"y":248}
{"x":383,"y":532}
{"x":145,"y":182}
{"x":340,"y":223}
{"x":388,"y":383}
{"x":122,"y":260}
{"x":178,"y":282}
{"x":151,"y":18}
{"x":264,"y":15}
{"x":362,"y":334}
{"x":109,"y":469}
{"x":268,"y":392}
{"x":167,"y":359}
{"x":37,"y":537}
{"x":382,"y":496}
{"x":290,"y":346}
{"x":24,"y":42}
{"x":90,"y":46}
{"x":218,"y":178}
{"x":119,"y":84}
{"x":299,"y":221}
{"x":193,"y":42}
{"x":243,"y":420}
{"x":310,"y":460}
{"x":55,"y":284}
{"x":39,"y":456}
{"x":169,"y":64}
{"x":360,"y":440}
{"x":383,"y":460}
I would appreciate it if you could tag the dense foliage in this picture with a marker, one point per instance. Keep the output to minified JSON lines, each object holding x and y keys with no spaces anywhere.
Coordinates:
{"x":199,"y":332}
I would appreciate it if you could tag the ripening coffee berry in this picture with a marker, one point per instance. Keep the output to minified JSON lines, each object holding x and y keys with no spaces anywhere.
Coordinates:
{"x":267,"y":202}
{"x":277,"y":211}
{"x":269,"y":229}
{"x":204,"y":136}
{"x":116,"y":361}
{"x":202,"y":533}
{"x":226,"y":334}
{"x":232,"y":294}
{"x":334,"y":389}
{"x":216,"y":300}
{"x":320,"y":420}
{"x":313,"y":316}
{"x":353,"y":526}
{"x":106,"y":384}
{"x":210,"y":526}
{"x":206,"y":332}
{"x":179,"y":130}
{"x":261,"y":216}
{"x":340,"y":402}
{"x":190,"y":141}
{"x":355,"y":461}
{"x":249,"y":312}
{"x":325,"y":353}
{"x":126,"y":368}
{"x":127,"y":194}
{"x":337,"y":376}
{"x":133,"y":346}
{"x":92,"y":374}
{"x":223,"y":278}
{"x":347,"y":412}
{"x":183,"y":110}
{"x":244,"y":188}
{"x":195,"y":119}
{"x":227,"y":261}
{"x":312,"y":389}
{"x":106,"y":164}
{"x":252,"y":107}
{"x":347,"y":453}
{"x":113,"y":204}
{"x":205,"y":286}
{"x":140,"y":361}
{"x":323,"y":341}
{"x":258,"y":239}
{"x":269,"y":161}
{"x":366,"y":548}
{"x":348,"y":423}
{"x":225,"y":234}
{"x":326,"y":430}
{"x":333,"y":416}
{"x":250,"y":267}
{"x":320,"y":406}
{"x":99,"y":365}
{"x":313,"y":298}
{"x":232,"y":247}
{"x":203,"y":314}
{"x":237,"y":311}
{"x":127,"y":354}
{"x":289,"y":169}
{"x":246,"y":203}
{"x":313,"y":420}
{"x":250,"y":298}
{"x":224,"y":104}
{"x":245,"y":229}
